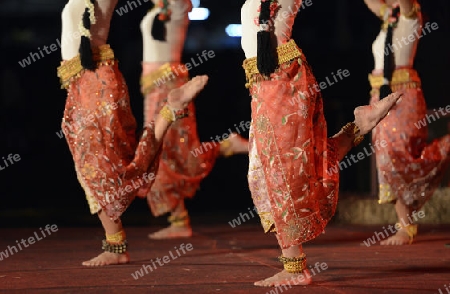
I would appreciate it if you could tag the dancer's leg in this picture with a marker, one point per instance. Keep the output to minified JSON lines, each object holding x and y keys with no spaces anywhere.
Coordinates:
{"x":408,"y":230}
{"x":114,"y":235}
{"x":409,"y":169}
{"x":100,"y":128}
{"x":366,"y":118}
{"x":185,"y":161}
{"x":290,"y":153}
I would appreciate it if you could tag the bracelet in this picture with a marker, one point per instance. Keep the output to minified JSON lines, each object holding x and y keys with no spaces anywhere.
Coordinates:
{"x":171,"y":115}
{"x":414,"y":11}
{"x":350,"y":129}
{"x":383,"y":9}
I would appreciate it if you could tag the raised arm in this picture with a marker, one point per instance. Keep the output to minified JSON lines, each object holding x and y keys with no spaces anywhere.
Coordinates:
{"x":406,"y":6}
{"x":171,"y":49}
{"x":375,"y":6}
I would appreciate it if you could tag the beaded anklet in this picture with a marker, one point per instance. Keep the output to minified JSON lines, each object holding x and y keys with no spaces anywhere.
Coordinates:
{"x":293,"y":265}
{"x":179,"y":221}
{"x":115,"y":243}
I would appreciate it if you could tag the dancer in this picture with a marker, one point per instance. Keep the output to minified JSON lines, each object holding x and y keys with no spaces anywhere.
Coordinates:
{"x":409,"y":170}
{"x":182,"y":167}
{"x":289,"y":151}
{"x":111,"y":165}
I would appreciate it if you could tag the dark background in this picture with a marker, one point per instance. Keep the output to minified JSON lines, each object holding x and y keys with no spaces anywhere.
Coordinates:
{"x":334,"y":35}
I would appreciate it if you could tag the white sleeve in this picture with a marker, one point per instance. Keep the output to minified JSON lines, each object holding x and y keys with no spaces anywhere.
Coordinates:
{"x":283,"y":21}
{"x":72,"y":15}
{"x":171,"y":49}
{"x":70,"y":36}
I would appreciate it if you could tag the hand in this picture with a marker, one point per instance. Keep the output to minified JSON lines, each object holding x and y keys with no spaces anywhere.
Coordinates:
{"x":179,"y":98}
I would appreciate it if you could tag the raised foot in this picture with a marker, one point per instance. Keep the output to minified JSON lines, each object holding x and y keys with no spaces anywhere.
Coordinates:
{"x":367,"y":117}
{"x":180,"y":97}
{"x":400,"y":238}
{"x":108,"y":258}
{"x":286,"y":279}
{"x":234,"y":144}
{"x":171,"y":232}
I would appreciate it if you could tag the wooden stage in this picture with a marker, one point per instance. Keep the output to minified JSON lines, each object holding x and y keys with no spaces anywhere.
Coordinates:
{"x":221,"y":259}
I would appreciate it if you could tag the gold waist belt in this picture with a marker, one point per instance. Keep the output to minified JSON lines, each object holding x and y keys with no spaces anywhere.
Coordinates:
{"x":401,"y":78}
{"x":166,"y":73}
{"x":286,"y":52}
{"x":72,"y":68}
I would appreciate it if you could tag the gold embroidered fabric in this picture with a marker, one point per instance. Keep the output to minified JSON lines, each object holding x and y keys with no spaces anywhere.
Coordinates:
{"x":162,"y":75}
{"x":117,"y":237}
{"x":72,"y":68}
{"x":409,"y":170}
{"x":386,"y":195}
{"x":267,"y":222}
{"x":400,"y":77}
{"x":286,"y":52}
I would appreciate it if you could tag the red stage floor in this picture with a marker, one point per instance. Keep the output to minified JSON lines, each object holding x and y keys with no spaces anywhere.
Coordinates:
{"x":223,"y":259}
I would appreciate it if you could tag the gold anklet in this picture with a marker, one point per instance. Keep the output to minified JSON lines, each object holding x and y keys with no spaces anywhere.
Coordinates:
{"x":181,"y":220}
{"x":294,"y":265}
{"x":117,"y":237}
{"x":351,"y":130}
{"x":410,"y":229}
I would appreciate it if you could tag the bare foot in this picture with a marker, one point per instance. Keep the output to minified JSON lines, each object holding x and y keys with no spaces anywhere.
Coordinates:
{"x":400,"y":238}
{"x":179,"y":98}
{"x":235,"y":144}
{"x":108,"y":258}
{"x":285,"y":278}
{"x":367,"y":117}
{"x":172,"y":232}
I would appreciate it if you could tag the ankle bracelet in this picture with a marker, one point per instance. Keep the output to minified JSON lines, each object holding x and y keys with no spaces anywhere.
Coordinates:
{"x":181,"y":220}
{"x":170,"y":114}
{"x":115,"y":248}
{"x":410,"y":229}
{"x":293,"y":265}
{"x":351,"y":129}
{"x":117,"y":237}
